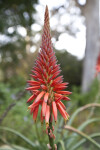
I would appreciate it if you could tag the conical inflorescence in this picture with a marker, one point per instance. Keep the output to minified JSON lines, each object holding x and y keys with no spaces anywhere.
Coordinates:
{"x":47,"y":85}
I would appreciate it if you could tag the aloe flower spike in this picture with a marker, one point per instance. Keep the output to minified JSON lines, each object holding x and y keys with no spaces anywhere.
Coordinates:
{"x":47,"y":87}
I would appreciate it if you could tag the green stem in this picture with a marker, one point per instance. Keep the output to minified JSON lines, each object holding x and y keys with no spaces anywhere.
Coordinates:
{"x":51,"y":140}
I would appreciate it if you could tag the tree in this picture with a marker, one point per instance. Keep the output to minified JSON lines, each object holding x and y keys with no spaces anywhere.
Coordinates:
{"x":91,"y":12}
{"x":14,"y":15}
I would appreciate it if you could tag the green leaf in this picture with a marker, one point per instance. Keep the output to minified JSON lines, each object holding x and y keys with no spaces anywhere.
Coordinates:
{"x":84,"y":124}
{"x":83,"y":135}
{"x":19,"y":147}
{"x":81,"y":109}
{"x":84,"y":140}
{"x":6,"y":149}
{"x":80,"y":128}
{"x":20,"y":135}
{"x":62,"y":144}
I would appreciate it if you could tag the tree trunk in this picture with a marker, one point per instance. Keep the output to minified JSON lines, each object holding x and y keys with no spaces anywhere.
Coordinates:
{"x":91,"y":13}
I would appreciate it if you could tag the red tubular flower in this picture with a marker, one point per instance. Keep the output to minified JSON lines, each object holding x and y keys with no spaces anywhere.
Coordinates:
{"x":44,"y":105}
{"x":47,"y":86}
{"x":42,"y":118}
{"x":35,"y":112}
{"x":62,"y":111}
{"x":98,"y":65}
{"x":47,"y":115}
{"x":54,"y":109}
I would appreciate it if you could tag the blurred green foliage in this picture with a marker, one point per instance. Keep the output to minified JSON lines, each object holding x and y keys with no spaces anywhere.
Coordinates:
{"x":19,"y":119}
{"x":71,"y":67}
{"x":88,"y":97}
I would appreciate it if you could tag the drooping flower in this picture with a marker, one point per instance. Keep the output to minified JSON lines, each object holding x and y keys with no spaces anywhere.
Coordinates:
{"x":98,"y":65}
{"x":47,"y":85}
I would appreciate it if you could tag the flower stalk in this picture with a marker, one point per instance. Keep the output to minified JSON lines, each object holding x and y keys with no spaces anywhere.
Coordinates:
{"x":51,"y":139}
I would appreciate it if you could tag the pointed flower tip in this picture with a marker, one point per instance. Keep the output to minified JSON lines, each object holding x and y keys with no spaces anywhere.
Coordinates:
{"x":46,"y":9}
{"x":46,"y":19}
